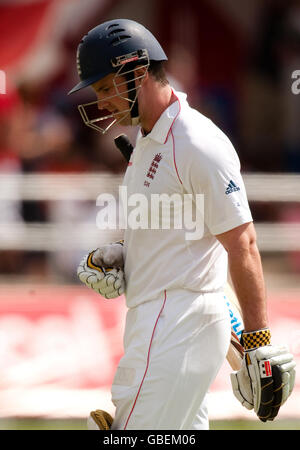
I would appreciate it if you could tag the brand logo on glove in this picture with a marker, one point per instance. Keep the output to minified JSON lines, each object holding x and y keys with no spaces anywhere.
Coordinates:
{"x":265,"y":369}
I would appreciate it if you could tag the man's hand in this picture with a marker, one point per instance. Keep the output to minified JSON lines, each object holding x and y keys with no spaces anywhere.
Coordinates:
{"x":109,"y":255}
{"x":106,"y":281}
{"x":267,"y":376}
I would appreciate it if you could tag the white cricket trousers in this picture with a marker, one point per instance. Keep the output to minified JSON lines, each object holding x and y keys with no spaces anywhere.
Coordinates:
{"x":174,"y":347}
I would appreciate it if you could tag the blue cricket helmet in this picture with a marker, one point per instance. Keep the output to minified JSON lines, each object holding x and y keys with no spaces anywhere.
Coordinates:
{"x":112,"y":44}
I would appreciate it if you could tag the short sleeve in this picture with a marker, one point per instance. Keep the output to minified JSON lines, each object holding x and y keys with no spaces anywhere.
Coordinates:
{"x":212,"y":169}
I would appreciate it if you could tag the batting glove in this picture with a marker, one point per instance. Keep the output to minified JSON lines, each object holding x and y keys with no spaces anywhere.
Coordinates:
{"x":106,"y":281}
{"x":267,"y":376}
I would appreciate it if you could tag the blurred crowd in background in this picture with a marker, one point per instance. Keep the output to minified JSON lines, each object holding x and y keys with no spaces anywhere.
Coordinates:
{"x":235,"y":64}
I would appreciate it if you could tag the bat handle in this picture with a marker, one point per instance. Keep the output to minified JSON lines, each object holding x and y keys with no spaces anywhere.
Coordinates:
{"x":124,"y":145}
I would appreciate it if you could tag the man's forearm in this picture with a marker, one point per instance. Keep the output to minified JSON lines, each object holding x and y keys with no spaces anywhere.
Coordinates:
{"x":247,"y":278}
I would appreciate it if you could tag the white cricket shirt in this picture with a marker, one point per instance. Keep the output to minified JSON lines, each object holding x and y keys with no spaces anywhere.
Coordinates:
{"x":185,"y":153}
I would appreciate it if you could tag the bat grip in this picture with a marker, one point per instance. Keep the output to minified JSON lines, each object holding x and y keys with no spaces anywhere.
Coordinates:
{"x":124,"y":145}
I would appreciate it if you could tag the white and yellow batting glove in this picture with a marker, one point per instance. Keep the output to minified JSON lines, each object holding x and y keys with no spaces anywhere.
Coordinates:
{"x":106,"y":281}
{"x":267,"y":376}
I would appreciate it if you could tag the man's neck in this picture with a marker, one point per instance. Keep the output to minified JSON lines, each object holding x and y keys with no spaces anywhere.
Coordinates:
{"x":153,"y":104}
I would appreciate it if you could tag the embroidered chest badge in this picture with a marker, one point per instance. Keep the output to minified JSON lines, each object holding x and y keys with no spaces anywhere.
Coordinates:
{"x":153,"y":169}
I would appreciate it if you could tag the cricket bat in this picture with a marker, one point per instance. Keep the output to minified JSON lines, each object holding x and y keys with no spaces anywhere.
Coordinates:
{"x":235,"y":352}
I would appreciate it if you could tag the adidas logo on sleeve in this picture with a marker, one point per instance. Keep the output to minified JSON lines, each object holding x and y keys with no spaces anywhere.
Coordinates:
{"x":232,"y":187}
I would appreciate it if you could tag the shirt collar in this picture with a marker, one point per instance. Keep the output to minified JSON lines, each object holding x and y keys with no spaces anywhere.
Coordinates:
{"x":162,"y":127}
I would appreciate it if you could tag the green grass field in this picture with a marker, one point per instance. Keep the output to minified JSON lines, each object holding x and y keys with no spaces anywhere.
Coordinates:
{"x":80,"y":424}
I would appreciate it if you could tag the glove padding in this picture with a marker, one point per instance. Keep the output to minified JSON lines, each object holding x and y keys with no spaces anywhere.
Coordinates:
{"x":106,"y":281}
{"x":265,"y":380}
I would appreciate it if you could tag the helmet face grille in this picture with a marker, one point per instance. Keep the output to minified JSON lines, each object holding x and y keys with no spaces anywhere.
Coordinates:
{"x":90,"y":112}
